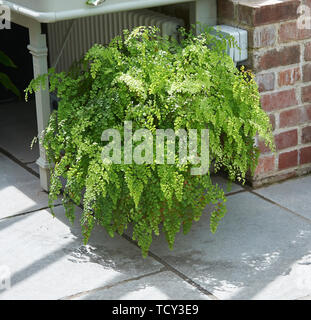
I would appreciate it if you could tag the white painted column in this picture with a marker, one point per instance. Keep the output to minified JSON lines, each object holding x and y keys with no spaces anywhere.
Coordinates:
{"x":39,"y":51}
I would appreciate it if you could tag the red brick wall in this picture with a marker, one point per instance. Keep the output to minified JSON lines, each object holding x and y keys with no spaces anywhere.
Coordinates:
{"x":280,"y":56}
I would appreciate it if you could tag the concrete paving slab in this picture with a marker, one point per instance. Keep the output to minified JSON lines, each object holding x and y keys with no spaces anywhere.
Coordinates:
{"x":20,"y":191}
{"x":260,"y":251}
{"x":47,"y":259}
{"x":161,"y":286}
{"x":18,"y":127}
{"x":293,"y":194}
{"x":223,"y":184}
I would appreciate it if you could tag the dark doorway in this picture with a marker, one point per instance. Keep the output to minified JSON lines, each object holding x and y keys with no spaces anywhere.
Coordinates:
{"x":13,"y":42}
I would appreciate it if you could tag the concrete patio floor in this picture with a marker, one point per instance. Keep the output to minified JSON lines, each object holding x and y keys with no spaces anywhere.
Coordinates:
{"x":262,"y":249}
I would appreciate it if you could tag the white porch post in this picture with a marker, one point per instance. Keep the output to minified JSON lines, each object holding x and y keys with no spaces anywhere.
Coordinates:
{"x":39,"y":51}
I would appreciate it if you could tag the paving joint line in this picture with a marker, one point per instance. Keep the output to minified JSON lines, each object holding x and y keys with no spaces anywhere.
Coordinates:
{"x":20,"y":163}
{"x":31,"y":162}
{"x":29,"y":212}
{"x":233,"y":193}
{"x":279,"y":205}
{"x":175,"y":271}
{"x":109,"y":286}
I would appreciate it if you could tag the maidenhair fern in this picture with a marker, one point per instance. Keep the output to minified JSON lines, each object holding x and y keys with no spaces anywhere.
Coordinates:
{"x":156,"y":83}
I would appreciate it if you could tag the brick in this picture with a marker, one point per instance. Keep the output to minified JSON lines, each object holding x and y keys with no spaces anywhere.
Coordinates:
{"x":272,"y":121}
{"x":307,"y":52}
{"x":246,"y":14}
{"x":288,"y":160}
{"x":279,"y":100}
{"x":306,"y":135}
{"x":305,"y":155}
{"x":305,"y":115}
{"x":262,"y":37}
{"x":290,"y":32}
{"x":255,"y":13}
{"x":263,"y":148}
{"x":290,"y":118}
{"x":306,"y":72}
{"x":265,"y":81}
{"x":225,"y":9}
{"x":265,"y":165}
{"x":275,"y":58}
{"x":295,"y":117}
{"x":289,"y":77}
{"x":306,"y":94}
{"x":286,"y":139}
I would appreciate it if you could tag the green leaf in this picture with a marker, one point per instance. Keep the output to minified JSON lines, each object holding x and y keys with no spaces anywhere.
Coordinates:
{"x":8,"y":84}
{"x":5,"y":60}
